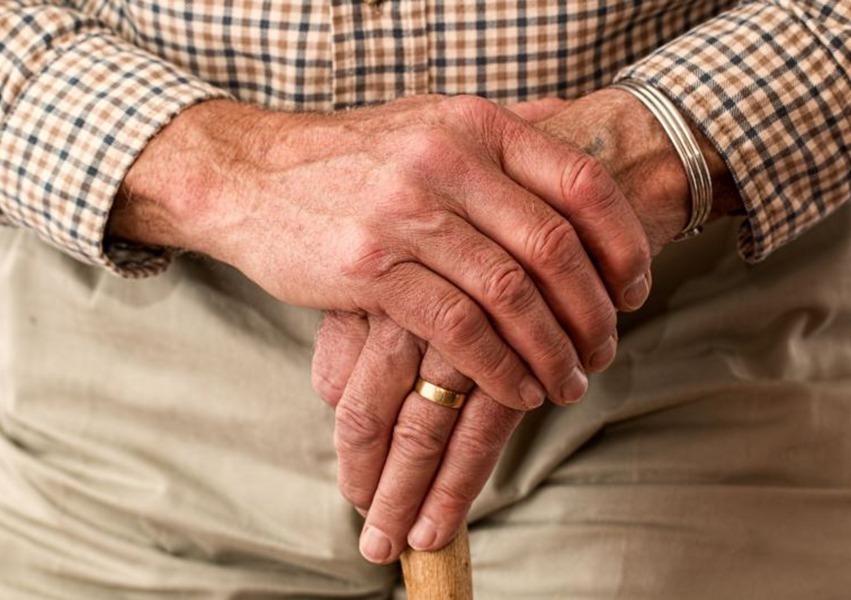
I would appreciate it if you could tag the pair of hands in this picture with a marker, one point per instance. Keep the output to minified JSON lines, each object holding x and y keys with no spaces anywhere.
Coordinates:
{"x":446,"y":230}
{"x":412,"y":467}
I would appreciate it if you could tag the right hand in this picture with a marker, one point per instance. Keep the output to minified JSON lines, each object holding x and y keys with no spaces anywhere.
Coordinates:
{"x":459,"y":221}
{"x":403,"y":458}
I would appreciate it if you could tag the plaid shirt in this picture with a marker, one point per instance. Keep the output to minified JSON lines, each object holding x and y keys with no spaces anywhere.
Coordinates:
{"x":85,"y":84}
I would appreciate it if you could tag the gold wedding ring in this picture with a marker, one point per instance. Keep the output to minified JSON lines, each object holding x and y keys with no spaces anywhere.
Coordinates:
{"x":439,"y":395}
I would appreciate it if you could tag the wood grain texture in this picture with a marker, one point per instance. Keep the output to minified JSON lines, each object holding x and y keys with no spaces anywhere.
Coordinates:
{"x":442,"y":575}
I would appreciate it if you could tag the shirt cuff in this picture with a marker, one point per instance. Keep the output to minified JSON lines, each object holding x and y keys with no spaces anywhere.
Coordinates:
{"x":763,"y":86}
{"x":74,"y":130}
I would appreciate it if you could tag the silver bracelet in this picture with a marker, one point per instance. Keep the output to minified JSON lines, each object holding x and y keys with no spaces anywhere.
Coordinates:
{"x":677,"y":130}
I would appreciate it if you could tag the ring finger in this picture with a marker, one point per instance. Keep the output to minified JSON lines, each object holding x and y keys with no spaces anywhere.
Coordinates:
{"x":422,"y":430}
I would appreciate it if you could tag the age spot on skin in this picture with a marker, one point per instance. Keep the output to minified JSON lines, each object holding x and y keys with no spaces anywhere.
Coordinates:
{"x":595,"y":147}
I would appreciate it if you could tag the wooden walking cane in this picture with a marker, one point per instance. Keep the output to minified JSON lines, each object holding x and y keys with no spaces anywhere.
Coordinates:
{"x":442,"y":575}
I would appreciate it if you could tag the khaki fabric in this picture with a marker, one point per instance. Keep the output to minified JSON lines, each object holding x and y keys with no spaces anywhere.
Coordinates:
{"x":160,"y":439}
{"x":712,"y":461}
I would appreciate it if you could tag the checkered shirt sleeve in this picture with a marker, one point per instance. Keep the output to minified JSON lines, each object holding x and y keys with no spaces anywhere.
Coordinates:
{"x":78,"y":103}
{"x":769,"y":84}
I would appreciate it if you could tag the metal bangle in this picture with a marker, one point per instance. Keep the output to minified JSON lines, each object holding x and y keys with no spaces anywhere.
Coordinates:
{"x":686,"y":146}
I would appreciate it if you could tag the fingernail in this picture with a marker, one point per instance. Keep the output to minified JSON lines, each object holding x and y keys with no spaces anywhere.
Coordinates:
{"x":531,"y":393}
{"x":422,"y":535}
{"x":603,"y":356}
{"x":374,"y":545}
{"x":636,"y":293}
{"x":575,"y":386}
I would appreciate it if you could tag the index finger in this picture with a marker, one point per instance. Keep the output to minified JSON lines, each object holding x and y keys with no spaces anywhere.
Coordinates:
{"x":380,"y":381}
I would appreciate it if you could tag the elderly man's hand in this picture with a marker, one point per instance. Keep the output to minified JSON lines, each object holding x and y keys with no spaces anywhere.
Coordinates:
{"x":409,"y":460}
{"x":446,"y":215}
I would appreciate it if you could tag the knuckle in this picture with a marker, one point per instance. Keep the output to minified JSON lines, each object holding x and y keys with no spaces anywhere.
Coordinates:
{"x":600,"y":314}
{"x":402,"y":194}
{"x":469,"y":105}
{"x":358,"y":430}
{"x":393,"y":509}
{"x":599,"y":322}
{"x":439,"y":226}
{"x":374,"y":263}
{"x":586,"y":183}
{"x":486,"y":119}
{"x":427,"y":145}
{"x":638,"y":257}
{"x":627,"y":257}
{"x":411,"y":196}
{"x":554,"y":244}
{"x":326,"y":385}
{"x":334,"y":322}
{"x":508,"y":288}
{"x":484,"y":442}
{"x":455,"y":498}
{"x":458,"y":320}
{"x":368,"y":257}
{"x":634,"y":263}
{"x":608,"y":323}
{"x":418,"y":443}
{"x":430,"y":154}
{"x":498,"y":364}
{"x":573,"y":262}
{"x":559,"y":352}
{"x":355,"y":493}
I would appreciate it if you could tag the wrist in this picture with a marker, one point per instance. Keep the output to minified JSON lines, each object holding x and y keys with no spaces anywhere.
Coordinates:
{"x":179,"y":193}
{"x":625,"y":136}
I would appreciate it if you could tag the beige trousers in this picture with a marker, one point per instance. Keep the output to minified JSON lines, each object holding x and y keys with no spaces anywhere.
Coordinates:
{"x":160,"y":439}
